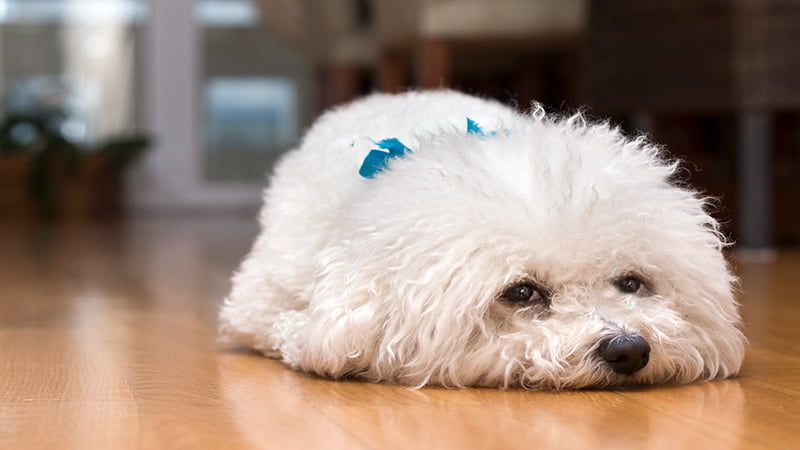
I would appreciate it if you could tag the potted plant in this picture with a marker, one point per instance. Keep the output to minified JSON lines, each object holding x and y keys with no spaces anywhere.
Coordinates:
{"x":45,"y":175}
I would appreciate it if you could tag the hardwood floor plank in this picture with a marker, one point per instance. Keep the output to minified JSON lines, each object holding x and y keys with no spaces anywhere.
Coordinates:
{"x":396,"y":417}
{"x":773,"y":369}
{"x":62,"y":390}
{"x":738,"y":407}
{"x":273,"y":415}
{"x":600,"y":419}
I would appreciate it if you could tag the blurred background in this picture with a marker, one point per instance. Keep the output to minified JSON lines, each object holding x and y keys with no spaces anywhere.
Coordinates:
{"x":111,"y":109}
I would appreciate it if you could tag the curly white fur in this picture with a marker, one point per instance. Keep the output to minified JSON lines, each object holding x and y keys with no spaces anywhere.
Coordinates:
{"x":398,"y":278}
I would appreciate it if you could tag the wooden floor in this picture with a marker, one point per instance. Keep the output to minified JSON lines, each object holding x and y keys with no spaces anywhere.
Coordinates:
{"x":107,"y":341}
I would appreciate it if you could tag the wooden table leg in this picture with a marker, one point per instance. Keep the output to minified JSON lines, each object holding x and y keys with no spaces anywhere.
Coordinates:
{"x":392,"y":71}
{"x":433,"y":64}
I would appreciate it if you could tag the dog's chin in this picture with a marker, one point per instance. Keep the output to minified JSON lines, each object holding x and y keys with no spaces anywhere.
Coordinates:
{"x":615,"y":381}
{"x":609,"y":381}
{"x":606,"y":379}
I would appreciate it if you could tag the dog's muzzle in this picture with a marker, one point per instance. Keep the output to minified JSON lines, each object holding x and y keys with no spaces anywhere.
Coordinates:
{"x":625,"y":353}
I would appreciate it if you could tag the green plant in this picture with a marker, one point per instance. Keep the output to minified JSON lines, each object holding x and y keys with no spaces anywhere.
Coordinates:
{"x":53,"y":158}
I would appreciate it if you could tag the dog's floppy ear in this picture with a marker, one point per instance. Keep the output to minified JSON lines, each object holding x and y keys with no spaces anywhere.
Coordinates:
{"x":707,"y":290}
{"x":345,"y":325}
{"x":414,"y":322}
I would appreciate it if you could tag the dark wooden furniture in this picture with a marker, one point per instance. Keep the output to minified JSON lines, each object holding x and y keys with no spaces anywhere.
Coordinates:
{"x":703,"y":56}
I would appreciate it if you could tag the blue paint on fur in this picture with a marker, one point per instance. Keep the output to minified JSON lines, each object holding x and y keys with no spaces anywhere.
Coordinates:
{"x":377,"y":160}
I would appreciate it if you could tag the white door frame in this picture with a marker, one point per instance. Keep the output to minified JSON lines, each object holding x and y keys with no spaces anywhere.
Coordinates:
{"x":171,"y":176}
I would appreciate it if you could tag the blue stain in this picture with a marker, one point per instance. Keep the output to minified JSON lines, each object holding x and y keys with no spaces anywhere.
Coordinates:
{"x":474,"y":128}
{"x":395,"y":147}
{"x":377,"y":160}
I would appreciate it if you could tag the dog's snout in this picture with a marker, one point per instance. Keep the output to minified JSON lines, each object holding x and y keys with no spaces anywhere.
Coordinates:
{"x":626,"y":353}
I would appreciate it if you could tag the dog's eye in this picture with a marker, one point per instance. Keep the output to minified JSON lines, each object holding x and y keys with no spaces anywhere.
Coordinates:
{"x":629,"y":284}
{"x":525,"y":294}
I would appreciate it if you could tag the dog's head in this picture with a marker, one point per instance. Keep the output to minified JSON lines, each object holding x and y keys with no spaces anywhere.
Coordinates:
{"x":556,"y":255}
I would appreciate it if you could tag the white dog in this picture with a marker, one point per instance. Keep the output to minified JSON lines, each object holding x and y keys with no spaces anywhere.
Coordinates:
{"x":438,"y":238}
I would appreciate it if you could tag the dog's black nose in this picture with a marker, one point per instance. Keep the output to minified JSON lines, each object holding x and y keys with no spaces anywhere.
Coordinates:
{"x":625,"y":353}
